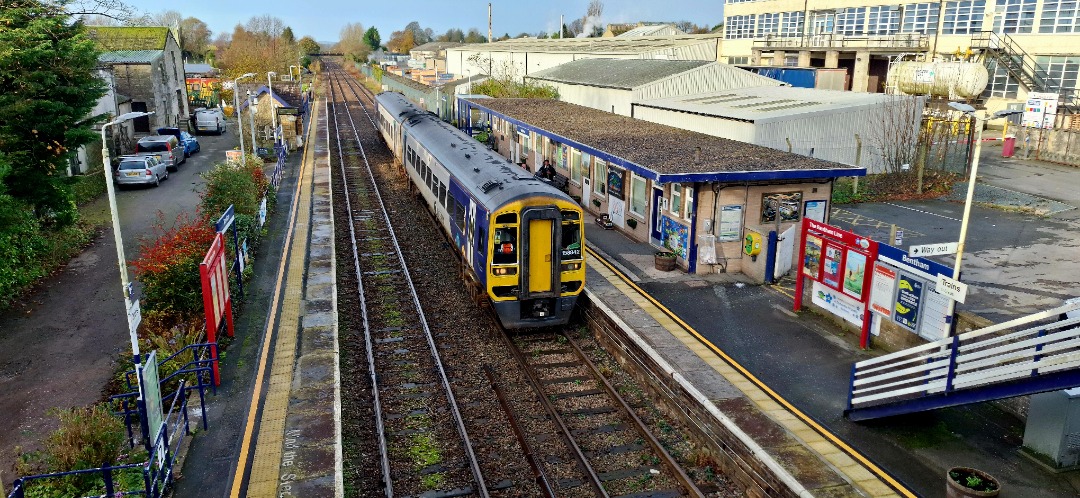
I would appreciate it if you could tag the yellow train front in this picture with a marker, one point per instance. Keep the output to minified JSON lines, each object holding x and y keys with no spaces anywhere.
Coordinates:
{"x":520,"y":237}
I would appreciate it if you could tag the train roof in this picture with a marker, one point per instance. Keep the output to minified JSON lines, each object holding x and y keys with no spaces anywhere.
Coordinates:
{"x":492,"y":179}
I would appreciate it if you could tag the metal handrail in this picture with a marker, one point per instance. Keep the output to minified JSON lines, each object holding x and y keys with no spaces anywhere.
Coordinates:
{"x":834,"y":40}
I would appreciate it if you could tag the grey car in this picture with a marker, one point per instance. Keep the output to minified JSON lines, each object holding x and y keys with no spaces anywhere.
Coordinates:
{"x":144,"y":169}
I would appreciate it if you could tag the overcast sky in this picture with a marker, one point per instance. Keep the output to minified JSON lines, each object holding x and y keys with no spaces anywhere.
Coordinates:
{"x":323,"y":19}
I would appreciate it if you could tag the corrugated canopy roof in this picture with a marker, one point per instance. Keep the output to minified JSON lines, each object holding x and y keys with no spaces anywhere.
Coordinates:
{"x":435,"y":46}
{"x":113,"y":38}
{"x":198,"y":68}
{"x":129,"y":56}
{"x":635,"y":45}
{"x":615,"y":73}
{"x":653,"y":30}
{"x":659,"y":148}
{"x":762,"y":104}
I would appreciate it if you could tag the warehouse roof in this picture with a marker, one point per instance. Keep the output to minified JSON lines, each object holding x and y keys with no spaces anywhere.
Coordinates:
{"x":662,"y":152}
{"x":129,"y":56}
{"x":633,"y":45}
{"x":615,"y":73}
{"x":652,"y":30}
{"x":764,"y":104}
{"x":434,"y":46}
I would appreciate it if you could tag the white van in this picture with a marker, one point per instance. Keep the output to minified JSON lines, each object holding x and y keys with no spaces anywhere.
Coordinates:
{"x":207,"y":120}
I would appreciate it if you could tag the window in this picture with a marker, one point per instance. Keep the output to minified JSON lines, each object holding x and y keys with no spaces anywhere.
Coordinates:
{"x":920,"y":18}
{"x":963,"y":17}
{"x":768,"y":24}
{"x":884,"y":20}
{"x":824,"y":22}
{"x":639,"y":199}
{"x":506,"y":246}
{"x":571,"y":240}
{"x":738,"y":60}
{"x":459,"y":214}
{"x":1014,"y":16}
{"x":787,"y":204}
{"x":737,"y":27}
{"x":599,"y":177}
{"x":1000,"y":83}
{"x":410,"y":156}
{"x":851,"y":21}
{"x":1060,"y":16}
{"x":1062,"y":69}
{"x":579,"y":163}
{"x":792,"y":24}
{"x":442,"y":194}
{"x":676,"y":199}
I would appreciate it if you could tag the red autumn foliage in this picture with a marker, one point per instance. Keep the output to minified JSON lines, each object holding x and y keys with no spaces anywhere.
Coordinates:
{"x":189,"y":237}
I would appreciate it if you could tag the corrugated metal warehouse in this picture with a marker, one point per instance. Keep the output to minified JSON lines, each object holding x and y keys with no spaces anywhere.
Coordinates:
{"x":846,"y":127}
{"x":522,"y":57}
{"x":695,"y":194}
{"x":609,"y":84}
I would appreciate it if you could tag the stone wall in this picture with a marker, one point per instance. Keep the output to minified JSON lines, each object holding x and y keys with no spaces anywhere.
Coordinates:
{"x":1059,"y":146}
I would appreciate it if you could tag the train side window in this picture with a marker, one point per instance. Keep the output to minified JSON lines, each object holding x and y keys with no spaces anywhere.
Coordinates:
{"x":481,"y":235}
{"x":423,"y":171}
{"x":442,"y":194}
{"x":505,"y":246}
{"x":459,"y":214}
{"x":411,"y":156}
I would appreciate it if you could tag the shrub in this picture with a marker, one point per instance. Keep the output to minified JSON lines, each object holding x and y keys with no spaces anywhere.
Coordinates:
{"x":231,"y":185}
{"x":168,"y":265}
{"x":22,"y":247}
{"x":86,"y":188}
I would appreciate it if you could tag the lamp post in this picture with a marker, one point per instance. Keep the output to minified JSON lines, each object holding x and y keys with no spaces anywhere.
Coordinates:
{"x":236,"y":105}
{"x":125,"y":285}
{"x":251,"y":110}
{"x":979,"y":121}
{"x":273,"y":112}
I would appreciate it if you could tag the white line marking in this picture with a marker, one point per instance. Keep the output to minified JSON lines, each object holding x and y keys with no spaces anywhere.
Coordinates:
{"x":922,"y":211}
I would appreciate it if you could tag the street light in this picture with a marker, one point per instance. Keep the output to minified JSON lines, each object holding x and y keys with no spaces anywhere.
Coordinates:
{"x":236,"y":105}
{"x":252,"y":102}
{"x":979,"y":121}
{"x":133,"y":324}
{"x":273,"y":112}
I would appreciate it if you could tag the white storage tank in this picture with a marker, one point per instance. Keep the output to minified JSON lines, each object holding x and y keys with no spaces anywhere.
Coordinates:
{"x":945,"y":79}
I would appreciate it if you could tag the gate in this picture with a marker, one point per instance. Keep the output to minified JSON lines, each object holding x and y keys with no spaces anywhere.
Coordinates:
{"x":785,"y":251}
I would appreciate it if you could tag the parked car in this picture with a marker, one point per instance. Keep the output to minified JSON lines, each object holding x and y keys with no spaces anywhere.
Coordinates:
{"x":207,"y":120}
{"x":166,"y":147}
{"x":145,"y":169}
{"x":190,"y":143}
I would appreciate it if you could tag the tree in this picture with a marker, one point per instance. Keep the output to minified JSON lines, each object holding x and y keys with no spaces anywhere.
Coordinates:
{"x":165,"y":18}
{"x":475,"y":36}
{"x":420,"y":35}
{"x":452,"y":35}
{"x":351,"y":42}
{"x":116,"y":10}
{"x":195,"y":38}
{"x":372,"y":39}
{"x":504,"y":82}
{"x":401,"y":41}
{"x":287,"y":36}
{"x":308,"y":45}
{"x":44,"y":106}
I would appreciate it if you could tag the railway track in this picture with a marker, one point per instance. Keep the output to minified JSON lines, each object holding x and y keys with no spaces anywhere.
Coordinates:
{"x":423,"y":444}
{"x":523,"y":448}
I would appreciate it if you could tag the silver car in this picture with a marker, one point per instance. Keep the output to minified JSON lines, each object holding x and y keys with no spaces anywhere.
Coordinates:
{"x":143,"y":169}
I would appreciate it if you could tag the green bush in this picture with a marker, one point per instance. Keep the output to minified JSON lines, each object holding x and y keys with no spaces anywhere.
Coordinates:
{"x":86,"y":188}
{"x":23,"y":246}
{"x":168,"y":265}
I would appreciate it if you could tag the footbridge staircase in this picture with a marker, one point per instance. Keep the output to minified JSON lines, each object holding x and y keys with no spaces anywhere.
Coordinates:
{"x":1028,"y":355}
{"x":1022,"y":67}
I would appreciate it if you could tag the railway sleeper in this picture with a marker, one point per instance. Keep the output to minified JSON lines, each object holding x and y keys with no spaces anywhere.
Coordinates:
{"x":577,"y":394}
{"x":603,"y":429}
{"x":616,"y":450}
{"x":558,"y":365}
{"x":567,"y":380}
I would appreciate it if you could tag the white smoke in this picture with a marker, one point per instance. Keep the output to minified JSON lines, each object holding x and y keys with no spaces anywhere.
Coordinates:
{"x":591,"y":22}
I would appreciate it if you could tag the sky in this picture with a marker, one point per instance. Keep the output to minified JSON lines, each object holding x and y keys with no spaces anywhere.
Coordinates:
{"x":323,"y":19}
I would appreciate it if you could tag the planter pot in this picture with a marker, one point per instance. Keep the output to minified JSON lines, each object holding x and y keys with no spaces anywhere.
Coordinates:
{"x":964,"y":482}
{"x":664,"y":261}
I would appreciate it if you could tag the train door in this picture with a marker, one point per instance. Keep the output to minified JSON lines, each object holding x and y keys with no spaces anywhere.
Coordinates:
{"x":541,"y":228}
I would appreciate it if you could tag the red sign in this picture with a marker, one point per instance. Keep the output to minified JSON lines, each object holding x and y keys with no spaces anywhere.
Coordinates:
{"x":214,"y":274}
{"x":838,"y":259}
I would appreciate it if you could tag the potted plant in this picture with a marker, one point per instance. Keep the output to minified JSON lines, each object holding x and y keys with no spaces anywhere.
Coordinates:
{"x":632,"y":223}
{"x":596,"y":202}
{"x":964,"y":482}
{"x":665,"y":260}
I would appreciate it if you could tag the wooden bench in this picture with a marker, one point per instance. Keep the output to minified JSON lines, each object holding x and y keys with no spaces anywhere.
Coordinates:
{"x":561,"y":182}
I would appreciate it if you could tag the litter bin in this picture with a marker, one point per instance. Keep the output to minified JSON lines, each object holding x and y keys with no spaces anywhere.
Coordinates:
{"x":1008,"y":147}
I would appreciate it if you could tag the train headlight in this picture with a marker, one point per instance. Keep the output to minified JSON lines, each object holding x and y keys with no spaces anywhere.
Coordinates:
{"x":502,"y":271}
{"x":571,"y":266}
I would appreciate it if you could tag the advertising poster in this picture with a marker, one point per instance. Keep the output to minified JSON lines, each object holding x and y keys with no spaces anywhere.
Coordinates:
{"x":815,"y":210}
{"x":881,"y":289}
{"x":615,"y":182}
{"x":812,"y":262}
{"x":908,"y":300}
{"x":787,"y":205}
{"x":730,"y":228}
{"x":838,"y":304}
{"x":854,"y":274}
{"x":830,"y":267}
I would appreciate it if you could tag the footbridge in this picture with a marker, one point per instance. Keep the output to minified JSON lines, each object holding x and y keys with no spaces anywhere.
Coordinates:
{"x":1028,"y":355}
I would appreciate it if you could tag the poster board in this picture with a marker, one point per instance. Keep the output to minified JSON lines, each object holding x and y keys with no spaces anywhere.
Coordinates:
{"x":730,"y":229}
{"x":925,"y":311}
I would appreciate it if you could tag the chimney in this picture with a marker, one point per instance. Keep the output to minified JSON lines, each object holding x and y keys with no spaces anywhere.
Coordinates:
{"x":697,"y":155}
{"x":489,"y":23}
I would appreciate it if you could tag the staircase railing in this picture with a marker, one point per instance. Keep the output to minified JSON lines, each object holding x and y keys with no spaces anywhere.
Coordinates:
{"x":1020,"y":65}
{"x":980,"y":358}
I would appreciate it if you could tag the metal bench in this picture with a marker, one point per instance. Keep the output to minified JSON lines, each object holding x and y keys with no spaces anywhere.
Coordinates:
{"x":561,"y":182}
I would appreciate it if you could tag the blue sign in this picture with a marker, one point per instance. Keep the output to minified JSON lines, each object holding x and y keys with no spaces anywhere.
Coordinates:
{"x":900,"y":256}
{"x":226,"y":220}
{"x":908,"y":300}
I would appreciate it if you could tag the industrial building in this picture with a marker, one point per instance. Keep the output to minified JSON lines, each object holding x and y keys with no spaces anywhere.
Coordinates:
{"x":1027,"y":45}
{"x":521,"y":57}
{"x":725,"y":101}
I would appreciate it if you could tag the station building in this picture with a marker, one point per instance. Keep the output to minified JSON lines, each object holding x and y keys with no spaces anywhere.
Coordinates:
{"x":719,"y":204}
